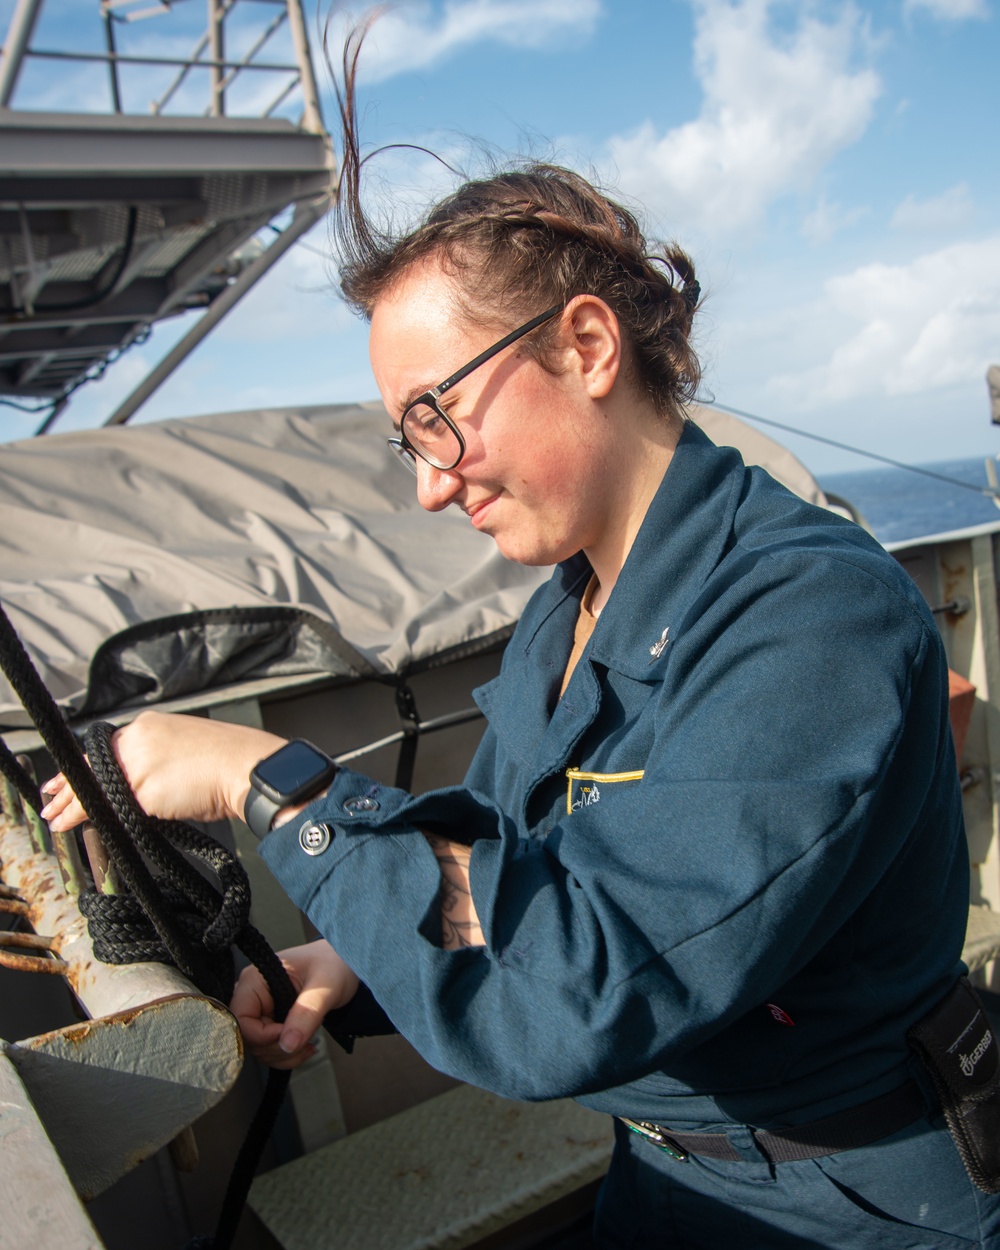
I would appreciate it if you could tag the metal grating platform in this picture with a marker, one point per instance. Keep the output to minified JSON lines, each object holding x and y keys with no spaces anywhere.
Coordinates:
{"x":445,"y":1174}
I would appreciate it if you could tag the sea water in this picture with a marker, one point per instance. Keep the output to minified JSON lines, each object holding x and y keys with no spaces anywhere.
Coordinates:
{"x":900,"y":504}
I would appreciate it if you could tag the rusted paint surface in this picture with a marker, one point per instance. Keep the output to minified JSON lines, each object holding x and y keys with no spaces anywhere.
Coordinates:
{"x":30,"y":963}
{"x":111,"y":1092}
{"x":101,"y":988}
{"x":76,"y":1034}
{"x":35,"y":941}
{"x":954,"y":567}
{"x":955,"y":574}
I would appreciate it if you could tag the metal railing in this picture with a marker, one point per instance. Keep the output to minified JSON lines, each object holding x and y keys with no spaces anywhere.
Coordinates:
{"x":207,"y":56}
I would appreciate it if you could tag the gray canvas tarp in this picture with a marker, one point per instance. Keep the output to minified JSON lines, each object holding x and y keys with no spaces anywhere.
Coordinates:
{"x":152,"y":562}
{"x":757,"y":448}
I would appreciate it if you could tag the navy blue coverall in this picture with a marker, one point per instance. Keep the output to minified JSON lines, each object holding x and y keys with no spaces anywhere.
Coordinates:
{"x":746,"y":800}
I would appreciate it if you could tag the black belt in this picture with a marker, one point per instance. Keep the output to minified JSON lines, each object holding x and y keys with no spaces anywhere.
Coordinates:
{"x":846,"y":1130}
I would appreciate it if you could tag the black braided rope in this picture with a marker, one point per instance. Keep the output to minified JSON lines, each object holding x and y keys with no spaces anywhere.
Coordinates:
{"x":19,"y":778}
{"x":178,"y":917}
{"x":208,"y":921}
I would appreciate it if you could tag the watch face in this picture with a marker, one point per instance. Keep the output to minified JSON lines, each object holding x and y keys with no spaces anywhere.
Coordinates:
{"x":296,"y":769}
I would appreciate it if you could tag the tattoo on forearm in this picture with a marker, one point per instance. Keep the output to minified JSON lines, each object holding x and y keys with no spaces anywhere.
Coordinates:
{"x":459,"y":921}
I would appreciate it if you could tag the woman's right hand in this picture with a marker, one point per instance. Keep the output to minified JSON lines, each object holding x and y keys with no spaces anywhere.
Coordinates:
{"x":179,"y":768}
{"x":322,"y":981}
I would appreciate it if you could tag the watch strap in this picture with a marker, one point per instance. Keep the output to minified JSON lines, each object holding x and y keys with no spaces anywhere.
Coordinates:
{"x":259,"y":812}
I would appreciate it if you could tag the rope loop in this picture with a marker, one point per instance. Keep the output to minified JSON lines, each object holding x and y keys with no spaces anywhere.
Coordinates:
{"x":171,"y":911}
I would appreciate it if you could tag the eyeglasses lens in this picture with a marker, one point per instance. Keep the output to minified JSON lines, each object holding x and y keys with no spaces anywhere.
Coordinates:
{"x":432,"y":436}
{"x":405,"y":455}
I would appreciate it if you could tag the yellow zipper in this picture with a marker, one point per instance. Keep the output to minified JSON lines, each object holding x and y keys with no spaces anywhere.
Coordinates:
{"x":577,"y":774}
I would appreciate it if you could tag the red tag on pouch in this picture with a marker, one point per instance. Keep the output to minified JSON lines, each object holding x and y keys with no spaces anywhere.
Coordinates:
{"x":782,"y":1017}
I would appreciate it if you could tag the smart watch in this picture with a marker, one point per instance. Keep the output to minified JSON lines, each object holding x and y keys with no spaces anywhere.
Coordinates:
{"x":294,"y":773}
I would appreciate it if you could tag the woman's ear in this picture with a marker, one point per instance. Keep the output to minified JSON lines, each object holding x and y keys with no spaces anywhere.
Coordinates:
{"x":595,"y":342}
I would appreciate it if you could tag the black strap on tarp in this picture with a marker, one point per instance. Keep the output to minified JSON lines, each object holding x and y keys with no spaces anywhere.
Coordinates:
{"x":406,"y":709}
{"x":173,"y":656}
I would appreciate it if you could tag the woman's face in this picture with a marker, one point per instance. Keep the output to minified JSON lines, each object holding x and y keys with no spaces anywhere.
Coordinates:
{"x":535,"y":474}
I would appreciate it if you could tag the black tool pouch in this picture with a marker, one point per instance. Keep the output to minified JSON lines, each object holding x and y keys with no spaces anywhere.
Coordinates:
{"x":958,"y":1048}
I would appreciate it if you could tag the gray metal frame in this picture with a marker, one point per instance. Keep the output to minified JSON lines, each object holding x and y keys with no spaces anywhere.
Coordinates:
{"x":110,"y":223}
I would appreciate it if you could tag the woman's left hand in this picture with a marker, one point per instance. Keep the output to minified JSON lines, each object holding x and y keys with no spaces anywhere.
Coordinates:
{"x":322,"y":982}
{"x":179,"y":768}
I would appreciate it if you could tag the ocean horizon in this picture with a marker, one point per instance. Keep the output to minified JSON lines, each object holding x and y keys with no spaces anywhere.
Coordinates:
{"x":900,"y":504}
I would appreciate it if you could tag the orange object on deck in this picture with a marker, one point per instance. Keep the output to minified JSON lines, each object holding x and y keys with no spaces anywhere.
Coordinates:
{"x":961,"y":697}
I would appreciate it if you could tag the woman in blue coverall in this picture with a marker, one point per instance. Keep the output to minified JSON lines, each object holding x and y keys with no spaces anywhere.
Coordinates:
{"x":708,"y":866}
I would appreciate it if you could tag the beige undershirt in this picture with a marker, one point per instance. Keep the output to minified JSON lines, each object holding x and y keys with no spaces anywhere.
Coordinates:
{"x":585,"y":623}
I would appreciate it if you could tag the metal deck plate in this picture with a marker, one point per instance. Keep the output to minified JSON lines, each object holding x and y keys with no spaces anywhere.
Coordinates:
{"x":444,"y":1174}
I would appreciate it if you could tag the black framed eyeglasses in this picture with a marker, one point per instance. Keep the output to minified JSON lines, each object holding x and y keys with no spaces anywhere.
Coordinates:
{"x":426,"y":430}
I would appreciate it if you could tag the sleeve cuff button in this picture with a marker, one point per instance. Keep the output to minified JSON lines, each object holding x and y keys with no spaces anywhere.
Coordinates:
{"x":314,"y":839}
{"x":360,"y":803}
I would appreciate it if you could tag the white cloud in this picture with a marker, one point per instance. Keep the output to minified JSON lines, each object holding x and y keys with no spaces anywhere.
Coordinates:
{"x":929,"y":324}
{"x":828,"y":219}
{"x":414,"y":36}
{"x":948,"y":211}
{"x":777,"y":107}
{"x":949,"y":10}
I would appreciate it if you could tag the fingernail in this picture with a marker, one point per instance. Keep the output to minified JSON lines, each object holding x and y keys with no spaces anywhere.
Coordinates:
{"x":44,"y":813}
{"x":291,"y":1041}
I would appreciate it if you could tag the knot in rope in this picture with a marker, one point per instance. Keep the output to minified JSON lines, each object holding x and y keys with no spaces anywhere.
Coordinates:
{"x":179,"y":917}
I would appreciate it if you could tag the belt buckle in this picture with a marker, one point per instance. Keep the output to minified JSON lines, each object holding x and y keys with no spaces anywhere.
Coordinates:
{"x":656,"y":1137}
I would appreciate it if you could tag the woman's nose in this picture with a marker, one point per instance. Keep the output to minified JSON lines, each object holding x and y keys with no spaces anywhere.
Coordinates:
{"x":436,"y":488}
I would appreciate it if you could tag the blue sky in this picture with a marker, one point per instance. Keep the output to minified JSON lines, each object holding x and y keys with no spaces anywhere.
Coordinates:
{"x":831,"y":167}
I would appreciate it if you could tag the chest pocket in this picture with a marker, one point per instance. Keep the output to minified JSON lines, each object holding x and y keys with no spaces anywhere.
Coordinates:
{"x":584,"y":789}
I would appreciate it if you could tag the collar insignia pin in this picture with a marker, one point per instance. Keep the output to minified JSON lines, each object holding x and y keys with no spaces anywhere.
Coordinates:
{"x":657,"y":649}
